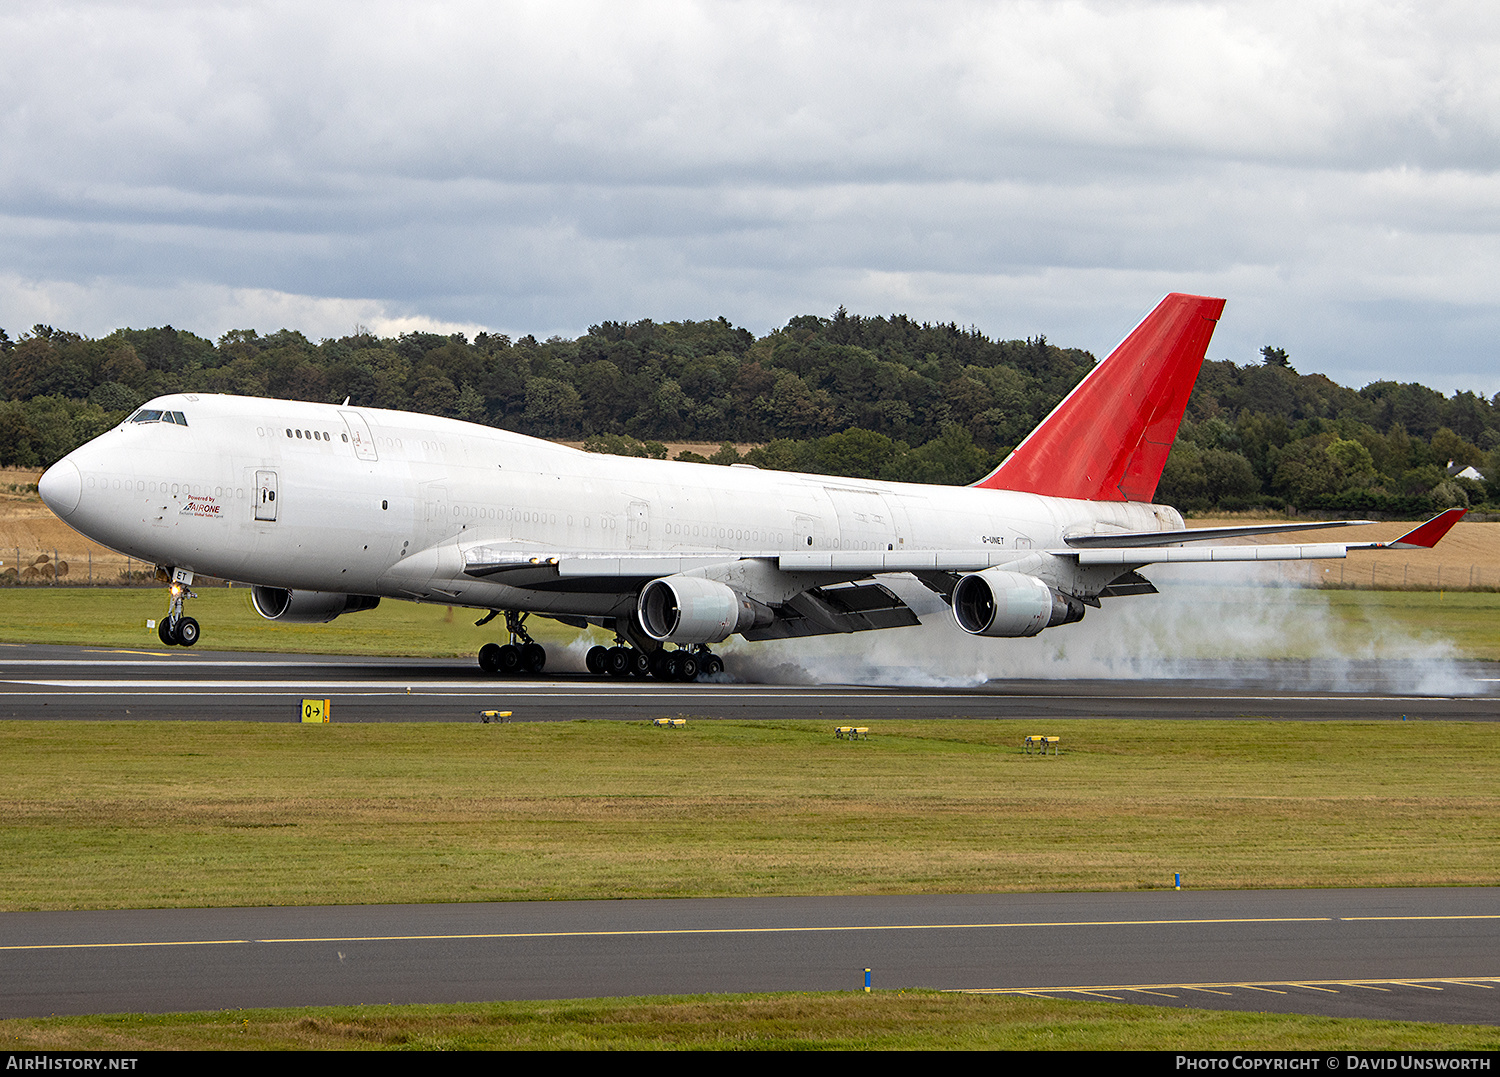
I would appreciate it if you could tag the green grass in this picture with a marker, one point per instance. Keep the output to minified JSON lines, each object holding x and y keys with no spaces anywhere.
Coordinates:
{"x":884,"y":1020}
{"x":147,"y":814}
{"x":1470,"y":620}
{"x":116,"y":617}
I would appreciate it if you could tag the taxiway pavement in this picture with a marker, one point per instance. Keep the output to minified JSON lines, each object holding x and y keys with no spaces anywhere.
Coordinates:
{"x":1413,"y":954}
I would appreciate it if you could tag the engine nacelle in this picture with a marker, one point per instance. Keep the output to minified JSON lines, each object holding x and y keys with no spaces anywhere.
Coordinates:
{"x":688,"y":609}
{"x":996,"y":602}
{"x":306,"y":607}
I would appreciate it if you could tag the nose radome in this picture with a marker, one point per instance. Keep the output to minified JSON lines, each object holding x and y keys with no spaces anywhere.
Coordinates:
{"x":61,"y":487}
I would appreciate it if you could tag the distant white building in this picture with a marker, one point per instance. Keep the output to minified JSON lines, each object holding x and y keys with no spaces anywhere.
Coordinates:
{"x":1464,"y":472}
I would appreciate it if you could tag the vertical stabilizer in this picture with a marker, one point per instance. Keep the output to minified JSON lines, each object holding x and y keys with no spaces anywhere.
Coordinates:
{"x":1109,"y":438}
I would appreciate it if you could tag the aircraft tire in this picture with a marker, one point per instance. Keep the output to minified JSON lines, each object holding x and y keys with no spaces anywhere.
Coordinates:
{"x":642,"y":663}
{"x":597,"y":660}
{"x":164,"y":633}
{"x":533,"y":658}
{"x":510,"y":659}
{"x":187,"y":632}
{"x":661,"y":663}
{"x":686,"y":667}
{"x":489,"y":658}
{"x":619,"y":662}
{"x":712,"y":665}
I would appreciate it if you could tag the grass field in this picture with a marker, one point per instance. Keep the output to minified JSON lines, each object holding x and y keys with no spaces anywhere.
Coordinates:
{"x":116,"y":617}
{"x":884,"y":1020}
{"x":129,"y":815}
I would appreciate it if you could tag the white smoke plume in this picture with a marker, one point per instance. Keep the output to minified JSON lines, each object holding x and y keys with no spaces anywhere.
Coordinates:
{"x":1245,"y":626}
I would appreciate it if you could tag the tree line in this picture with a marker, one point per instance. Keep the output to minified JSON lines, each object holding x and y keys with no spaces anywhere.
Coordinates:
{"x":872,"y":397}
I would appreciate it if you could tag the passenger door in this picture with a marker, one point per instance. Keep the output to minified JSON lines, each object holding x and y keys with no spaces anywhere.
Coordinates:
{"x":265,"y":495}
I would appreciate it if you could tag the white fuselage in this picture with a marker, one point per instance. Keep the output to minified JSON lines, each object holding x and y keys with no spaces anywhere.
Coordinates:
{"x":382,"y":503}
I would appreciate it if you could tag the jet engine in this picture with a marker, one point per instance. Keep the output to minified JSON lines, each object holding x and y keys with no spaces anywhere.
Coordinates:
{"x":996,"y":602}
{"x":688,"y":609}
{"x":306,"y":607}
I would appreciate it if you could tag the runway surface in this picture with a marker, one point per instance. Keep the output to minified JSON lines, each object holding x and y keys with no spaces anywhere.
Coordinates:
{"x":1403,"y":954}
{"x":95,"y":683}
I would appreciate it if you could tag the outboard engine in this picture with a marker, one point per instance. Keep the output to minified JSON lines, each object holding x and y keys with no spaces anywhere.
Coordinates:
{"x":689,"y":609}
{"x":306,"y":607}
{"x":997,"y":602}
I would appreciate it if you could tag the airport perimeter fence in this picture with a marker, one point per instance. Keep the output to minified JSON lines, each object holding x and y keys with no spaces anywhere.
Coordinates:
{"x":1389,"y":574}
{"x":20,"y":567}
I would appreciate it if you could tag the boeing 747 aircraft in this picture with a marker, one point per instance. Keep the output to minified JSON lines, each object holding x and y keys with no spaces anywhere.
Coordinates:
{"x":326,"y":509}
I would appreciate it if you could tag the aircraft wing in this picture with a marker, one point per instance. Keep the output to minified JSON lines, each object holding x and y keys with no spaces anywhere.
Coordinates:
{"x":531,"y":567}
{"x":818,"y":592}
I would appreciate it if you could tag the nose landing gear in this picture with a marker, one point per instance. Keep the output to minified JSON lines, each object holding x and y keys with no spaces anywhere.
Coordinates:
{"x":175,"y":629}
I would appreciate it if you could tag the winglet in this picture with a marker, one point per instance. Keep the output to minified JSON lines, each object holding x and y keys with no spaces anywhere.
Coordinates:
{"x":1426,"y":536}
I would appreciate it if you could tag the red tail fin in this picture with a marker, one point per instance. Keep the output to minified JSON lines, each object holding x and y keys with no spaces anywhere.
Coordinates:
{"x":1109,"y":438}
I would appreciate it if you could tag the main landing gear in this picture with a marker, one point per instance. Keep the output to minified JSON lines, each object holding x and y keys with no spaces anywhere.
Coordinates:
{"x":521,"y":655}
{"x":683,"y":664}
{"x":174,"y":628}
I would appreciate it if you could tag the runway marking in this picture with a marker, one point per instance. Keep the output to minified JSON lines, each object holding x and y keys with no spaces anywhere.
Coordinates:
{"x":1275,"y":987}
{"x":655,"y":932}
{"x":382,"y":686}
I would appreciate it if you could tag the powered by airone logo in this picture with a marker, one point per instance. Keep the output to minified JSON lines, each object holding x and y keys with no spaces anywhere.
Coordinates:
{"x":201,"y":505}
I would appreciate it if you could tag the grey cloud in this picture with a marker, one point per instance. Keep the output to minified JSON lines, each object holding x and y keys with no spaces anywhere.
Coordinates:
{"x":1025,"y":167}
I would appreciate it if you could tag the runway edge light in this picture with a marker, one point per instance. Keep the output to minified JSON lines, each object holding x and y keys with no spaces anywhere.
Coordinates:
{"x":317,"y":711}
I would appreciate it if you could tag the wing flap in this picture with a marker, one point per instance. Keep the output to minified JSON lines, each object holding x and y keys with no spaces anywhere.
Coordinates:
{"x":822,"y":611}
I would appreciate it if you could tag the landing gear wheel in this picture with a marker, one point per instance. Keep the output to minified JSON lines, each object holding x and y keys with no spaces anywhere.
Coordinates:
{"x":187,"y":631}
{"x":620,"y":662}
{"x":686,"y":666}
{"x":164,"y":632}
{"x":510,"y":659}
{"x":597,"y":660}
{"x":489,"y":658}
{"x":712,"y":665}
{"x":641,"y":663}
{"x":533,"y":657}
{"x":661,"y":664}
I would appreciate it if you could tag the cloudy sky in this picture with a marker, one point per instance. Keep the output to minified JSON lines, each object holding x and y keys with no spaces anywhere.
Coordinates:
{"x":1329,"y":168}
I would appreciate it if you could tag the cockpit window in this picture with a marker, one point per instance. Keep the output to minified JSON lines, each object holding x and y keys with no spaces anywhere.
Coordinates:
{"x":152,"y":415}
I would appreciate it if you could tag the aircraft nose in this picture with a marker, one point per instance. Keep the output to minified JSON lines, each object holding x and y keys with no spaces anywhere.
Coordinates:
{"x":61,"y":487}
